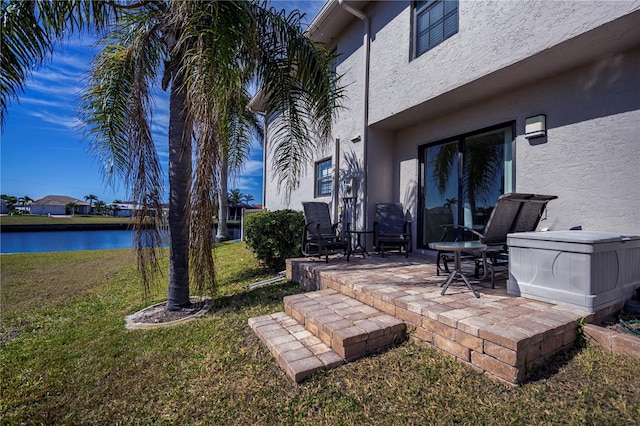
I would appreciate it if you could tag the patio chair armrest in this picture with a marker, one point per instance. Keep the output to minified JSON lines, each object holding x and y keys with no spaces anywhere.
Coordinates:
{"x":444,"y":230}
{"x":473,"y":231}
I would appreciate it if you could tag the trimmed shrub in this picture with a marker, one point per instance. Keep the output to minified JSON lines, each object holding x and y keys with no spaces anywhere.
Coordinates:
{"x":275,"y":236}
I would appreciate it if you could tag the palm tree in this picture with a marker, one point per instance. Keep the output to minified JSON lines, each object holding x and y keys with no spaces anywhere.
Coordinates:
{"x":113,"y":209}
{"x":235,"y":198}
{"x":247,"y":198}
{"x":481,"y":169}
{"x":23,"y":201}
{"x":241,"y":125}
{"x":71,"y":206}
{"x":90,"y":198}
{"x":100,"y":206}
{"x":11,"y":201}
{"x":202,"y":52}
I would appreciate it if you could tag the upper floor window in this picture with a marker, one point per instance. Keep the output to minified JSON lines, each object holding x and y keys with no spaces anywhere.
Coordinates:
{"x":323,"y":178}
{"x":434,"y":22}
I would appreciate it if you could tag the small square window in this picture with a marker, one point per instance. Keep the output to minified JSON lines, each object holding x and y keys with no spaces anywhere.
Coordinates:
{"x":324,"y":178}
{"x":434,"y":22}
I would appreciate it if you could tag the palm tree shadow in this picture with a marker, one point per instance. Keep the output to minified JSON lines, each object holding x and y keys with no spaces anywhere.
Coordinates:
{"x":270,"y":295}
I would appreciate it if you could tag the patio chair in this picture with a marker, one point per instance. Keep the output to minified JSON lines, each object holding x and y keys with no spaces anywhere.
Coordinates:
{"x":320,"y":237}
{"x":514,"y":212}
{"x":390,"y":229}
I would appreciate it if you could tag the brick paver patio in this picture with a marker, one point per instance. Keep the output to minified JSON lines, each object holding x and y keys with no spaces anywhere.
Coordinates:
{"x":500,"y":335}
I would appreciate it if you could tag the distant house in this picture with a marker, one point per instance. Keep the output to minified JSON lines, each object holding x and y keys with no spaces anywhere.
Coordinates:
{"x":131,"y":208}
{"x":235,"y":210}
{"x":57,"y":205}
{"x":124,"y":209}
{"x":23,"y":208}
{"x":3,"y":207}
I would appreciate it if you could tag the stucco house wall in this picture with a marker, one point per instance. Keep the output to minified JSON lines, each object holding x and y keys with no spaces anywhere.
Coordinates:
{"x":590,"y":158}
{"x":492,"y":36}
{"x":576,"y":62}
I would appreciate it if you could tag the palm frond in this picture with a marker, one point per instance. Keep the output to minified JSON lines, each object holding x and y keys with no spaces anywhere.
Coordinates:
{"x":300,"y":85}
{"x":443,"y":163}
{"x":31,"y":29}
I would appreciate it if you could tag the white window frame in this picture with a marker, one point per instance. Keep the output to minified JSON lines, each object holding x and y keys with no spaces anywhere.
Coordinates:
{"x":323,"y":177}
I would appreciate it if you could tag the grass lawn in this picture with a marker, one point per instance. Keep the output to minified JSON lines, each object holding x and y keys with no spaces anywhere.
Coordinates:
{"x":28,"y":219}
{"x":67,"y":359}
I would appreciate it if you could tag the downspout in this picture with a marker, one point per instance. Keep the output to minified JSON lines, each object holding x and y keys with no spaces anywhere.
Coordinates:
{"x":336,"y":181}
{"x":265,"y":139}
{"x":365,"y":113}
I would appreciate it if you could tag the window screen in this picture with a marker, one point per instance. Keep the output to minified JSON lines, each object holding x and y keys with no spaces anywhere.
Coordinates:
{"x":323,"y":178}
{"x":435,"y":21}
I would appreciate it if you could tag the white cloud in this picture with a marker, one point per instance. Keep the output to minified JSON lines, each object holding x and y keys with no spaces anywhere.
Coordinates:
{"x":245,"y":184}
{"x":43,"y":102}
{"x":64,"y":121}
{"x":52,"y":83}
{"x":252,"y":168}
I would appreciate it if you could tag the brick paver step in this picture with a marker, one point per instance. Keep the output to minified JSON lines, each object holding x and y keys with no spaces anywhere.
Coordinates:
{"x":350,"y":327}
{"x":298,"y":352}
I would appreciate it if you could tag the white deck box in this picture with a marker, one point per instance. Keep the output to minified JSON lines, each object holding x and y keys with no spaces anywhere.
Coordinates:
{"x":586,"y":270}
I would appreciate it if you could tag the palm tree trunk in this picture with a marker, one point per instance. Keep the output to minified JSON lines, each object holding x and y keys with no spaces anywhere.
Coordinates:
{"x":179,"y":180}
{"x":223,"y":201}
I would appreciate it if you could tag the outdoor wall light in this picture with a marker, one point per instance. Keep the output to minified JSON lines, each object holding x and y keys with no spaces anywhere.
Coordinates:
{"x":535,"y":127}
{"x":356,"y":139}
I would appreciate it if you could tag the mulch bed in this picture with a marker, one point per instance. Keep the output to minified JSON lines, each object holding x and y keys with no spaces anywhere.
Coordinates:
{"x":157,"y":315}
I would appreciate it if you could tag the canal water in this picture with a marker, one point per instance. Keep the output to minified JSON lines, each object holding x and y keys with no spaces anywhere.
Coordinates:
{"x":48,"y":241}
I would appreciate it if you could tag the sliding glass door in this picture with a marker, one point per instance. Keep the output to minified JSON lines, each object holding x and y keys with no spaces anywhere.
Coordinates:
{"x":461,"y":179}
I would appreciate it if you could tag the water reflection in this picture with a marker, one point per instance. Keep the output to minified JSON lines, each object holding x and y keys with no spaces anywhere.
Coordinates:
{"x":35,"y":242}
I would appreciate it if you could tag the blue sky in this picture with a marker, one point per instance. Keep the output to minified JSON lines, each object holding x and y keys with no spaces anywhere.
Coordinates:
{"x":42,"y":147}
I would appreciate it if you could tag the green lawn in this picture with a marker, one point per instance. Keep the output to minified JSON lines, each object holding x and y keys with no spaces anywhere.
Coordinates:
{"x":67,"y":359}
{"x":28,"y":219}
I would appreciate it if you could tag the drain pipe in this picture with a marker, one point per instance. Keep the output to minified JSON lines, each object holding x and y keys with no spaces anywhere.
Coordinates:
{"x":265,"y":140}
{"x":365,"y":114}
{"x":336,"y":182}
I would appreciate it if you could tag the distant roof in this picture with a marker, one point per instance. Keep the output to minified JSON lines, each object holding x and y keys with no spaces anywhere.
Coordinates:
{"x":132,"y":205}
{"x":58,"y":200}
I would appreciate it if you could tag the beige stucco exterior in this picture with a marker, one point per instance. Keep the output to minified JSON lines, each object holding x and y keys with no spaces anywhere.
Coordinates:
{"x":576,"y":62}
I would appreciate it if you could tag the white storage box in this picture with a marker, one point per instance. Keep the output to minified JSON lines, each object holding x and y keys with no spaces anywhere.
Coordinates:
{"x":587,"y":270}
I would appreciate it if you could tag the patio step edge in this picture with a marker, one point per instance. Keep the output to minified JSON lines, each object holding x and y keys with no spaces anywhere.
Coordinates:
{"x":351,"y":328}
{"x":298,"y":352}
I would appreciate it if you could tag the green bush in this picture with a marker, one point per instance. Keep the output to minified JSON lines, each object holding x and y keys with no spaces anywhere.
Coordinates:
{"x":275,"y":236}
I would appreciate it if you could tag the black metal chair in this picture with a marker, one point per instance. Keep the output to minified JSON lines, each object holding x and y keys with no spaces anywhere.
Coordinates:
{"x":514,"y":212}
{"x":320,"y":237}
{"x":390,"y":229}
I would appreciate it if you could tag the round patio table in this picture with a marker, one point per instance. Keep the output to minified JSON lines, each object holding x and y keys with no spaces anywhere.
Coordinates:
{"x":458,"y":247}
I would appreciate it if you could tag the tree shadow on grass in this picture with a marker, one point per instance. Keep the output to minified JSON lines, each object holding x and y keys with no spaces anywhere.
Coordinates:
{"x":245,"y":275}
{"x":270,"y":295}
{"x":554,"y":365}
